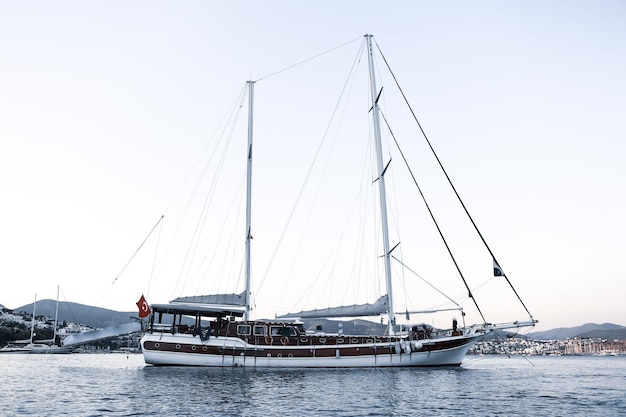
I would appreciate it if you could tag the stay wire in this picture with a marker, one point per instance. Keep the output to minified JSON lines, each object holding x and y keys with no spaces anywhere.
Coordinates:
{"x":308,"y":59}
{"x":508,"y":355}
{"x":138,"y":249}
{"x":313,"y":162}
{"x":154,"y":260}
{"x":449,"y":180}
{"x":429,"y":284}
{"x":432,"y":216}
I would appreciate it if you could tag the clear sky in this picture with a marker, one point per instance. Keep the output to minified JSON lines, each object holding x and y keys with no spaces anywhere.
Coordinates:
{"x":105,"y":107}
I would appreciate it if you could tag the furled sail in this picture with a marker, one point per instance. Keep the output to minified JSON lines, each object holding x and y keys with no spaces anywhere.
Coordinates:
{"x":356,"y":310}
{"x":222,"y":299}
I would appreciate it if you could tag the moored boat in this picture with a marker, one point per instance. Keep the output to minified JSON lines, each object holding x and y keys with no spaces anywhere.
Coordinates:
{"x":217,"y":330}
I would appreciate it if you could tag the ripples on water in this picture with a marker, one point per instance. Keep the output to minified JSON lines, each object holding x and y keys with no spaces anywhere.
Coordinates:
{"x":117,"y":385}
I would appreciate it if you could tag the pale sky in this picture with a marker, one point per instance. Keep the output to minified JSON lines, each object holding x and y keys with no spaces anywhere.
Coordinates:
{"x":105,"y":107}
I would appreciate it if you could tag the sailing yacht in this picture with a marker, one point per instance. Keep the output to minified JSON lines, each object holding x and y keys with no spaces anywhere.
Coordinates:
{"x":218,"y":330}
{"x":29,"y":345}
{"x":49,"y":346}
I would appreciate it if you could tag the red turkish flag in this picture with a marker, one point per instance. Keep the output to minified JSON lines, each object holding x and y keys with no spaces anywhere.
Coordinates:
{"x":144,"y":308}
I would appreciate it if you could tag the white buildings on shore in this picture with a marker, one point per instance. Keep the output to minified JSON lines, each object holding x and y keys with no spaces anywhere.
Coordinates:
{"x":528,"y":347}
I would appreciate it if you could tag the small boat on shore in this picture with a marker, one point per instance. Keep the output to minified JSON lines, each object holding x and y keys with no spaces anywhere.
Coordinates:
{"x":15,"y":348}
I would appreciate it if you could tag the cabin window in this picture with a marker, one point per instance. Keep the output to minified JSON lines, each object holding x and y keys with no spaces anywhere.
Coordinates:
{"x":259,"y":330}
{"x":243,"y":329}
{"x":289,"y":331}
{"x":276,"y":331}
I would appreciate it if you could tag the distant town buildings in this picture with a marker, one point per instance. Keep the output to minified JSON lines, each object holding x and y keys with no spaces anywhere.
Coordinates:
{"x":527,"y":347}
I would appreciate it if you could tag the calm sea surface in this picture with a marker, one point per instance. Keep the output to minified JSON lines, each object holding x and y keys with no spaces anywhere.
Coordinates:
{"x":121,"y":385}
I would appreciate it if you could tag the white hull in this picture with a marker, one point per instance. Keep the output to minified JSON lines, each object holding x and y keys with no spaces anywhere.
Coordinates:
{"x":51,"y":350}
{"x":15,"y":350}
{"x":236,"y":352}
{"x":35,"y":348}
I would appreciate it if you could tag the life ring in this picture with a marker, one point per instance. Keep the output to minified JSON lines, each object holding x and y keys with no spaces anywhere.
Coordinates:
{"x":284,"y":340}
{"x":268,"y":340}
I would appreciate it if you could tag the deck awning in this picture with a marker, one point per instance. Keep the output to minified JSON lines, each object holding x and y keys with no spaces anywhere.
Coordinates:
{"x":221,"y":299}
{"x":192,"y":309}
{"x":356,"y":310}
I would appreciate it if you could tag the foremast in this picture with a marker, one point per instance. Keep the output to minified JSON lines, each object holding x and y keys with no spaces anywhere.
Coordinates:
{"x":249,"y":199}
{"x":381,"y":183}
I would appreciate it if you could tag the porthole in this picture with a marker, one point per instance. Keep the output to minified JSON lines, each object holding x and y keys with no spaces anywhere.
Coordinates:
{"x":177,"y":346}
{"x":193,"y":347}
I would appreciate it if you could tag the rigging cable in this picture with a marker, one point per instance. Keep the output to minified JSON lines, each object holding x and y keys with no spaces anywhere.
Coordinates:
{"x":432,"y":216}
{"x":227,"y":134}
{"x":431,"y":285}
{"x":138,"y":249}
{"x":156,"y":252}
{"x":450,"y":181}
{"x":215,"y":140}
{"x":313,"y":162}
{"x":508,"y":355}
{"x":308,"y":59}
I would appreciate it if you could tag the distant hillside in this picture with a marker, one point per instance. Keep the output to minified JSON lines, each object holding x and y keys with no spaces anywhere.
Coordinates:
{"x":607,"y":331}
{"x":102,"y":317}
{"x":78,"y":313}
{"x":619,"y":334}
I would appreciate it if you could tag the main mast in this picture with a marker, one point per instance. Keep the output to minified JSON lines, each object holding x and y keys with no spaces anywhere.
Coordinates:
{"x":381,"y":184}
{"x":249,"y":198}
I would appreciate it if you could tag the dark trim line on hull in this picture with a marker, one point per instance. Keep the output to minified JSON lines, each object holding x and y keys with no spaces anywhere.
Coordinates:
{"x":302,"y":351}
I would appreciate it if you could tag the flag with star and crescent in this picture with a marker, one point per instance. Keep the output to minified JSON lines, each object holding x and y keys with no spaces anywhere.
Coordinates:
{"x":144,"y":307}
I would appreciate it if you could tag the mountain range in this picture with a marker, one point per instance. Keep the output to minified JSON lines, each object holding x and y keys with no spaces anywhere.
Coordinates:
{"x":78,"y":313}
{"x":101,"y":317}
{"x":607,"y":331}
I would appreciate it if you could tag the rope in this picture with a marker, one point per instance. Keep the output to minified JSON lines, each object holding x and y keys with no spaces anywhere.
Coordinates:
{"x":308,"y":59}
{"x":431,"y":285}
{"x":313,"y":163}
{"x":449,"y":180}
{"x":138,"y":249}
{"x":154,"y":260}
{"x":432,"y":216}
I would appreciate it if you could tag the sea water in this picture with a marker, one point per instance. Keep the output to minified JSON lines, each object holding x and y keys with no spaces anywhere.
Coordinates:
{"x":123,"y":385}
